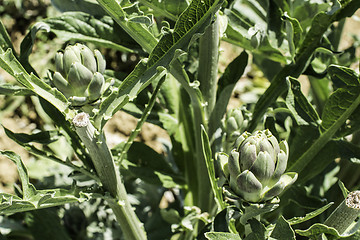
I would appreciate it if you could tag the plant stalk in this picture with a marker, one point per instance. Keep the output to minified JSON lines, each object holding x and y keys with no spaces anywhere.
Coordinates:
{"x":346,"y":213}
{"x":208,"y":64}
{"x":104,"y":165}
{"x":203,"y":200}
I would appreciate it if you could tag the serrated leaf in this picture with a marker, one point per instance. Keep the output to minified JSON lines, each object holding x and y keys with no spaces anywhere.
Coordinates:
{"x":341,"y":104}
{"x":133,"y":84}
{"x":343,"y":76}
{"x":168,"y":8}
{"x":44,"y":137}
{"x":138,"y":31}
{"x":192,"y":22}
{"x":32,"y":198}
{"x":11,"y":65}
{"x":337,"y":104}
{"x":23,"y":140}
{"x":283,"y":230}
{"x":13,"y":90}
{"x":27,"y":188}
{"x":222,"y":236}
{"x":319,"y":25}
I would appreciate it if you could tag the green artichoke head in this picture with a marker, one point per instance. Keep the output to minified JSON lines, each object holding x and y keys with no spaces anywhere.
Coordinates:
{"x":79,"y":74}
{"x":256,"y":167}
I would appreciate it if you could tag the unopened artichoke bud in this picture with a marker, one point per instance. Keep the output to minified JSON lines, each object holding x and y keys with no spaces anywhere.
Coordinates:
{"x":234,"y":125}
{"x":79,"y":74}
{"x":256,"y":167}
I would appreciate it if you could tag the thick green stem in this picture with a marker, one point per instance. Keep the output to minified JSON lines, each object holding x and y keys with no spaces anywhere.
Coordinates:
{"x":110,"y":178}
{"x":346,"y":213}
{"x":204,"y":199}
{"x":208,"y":64}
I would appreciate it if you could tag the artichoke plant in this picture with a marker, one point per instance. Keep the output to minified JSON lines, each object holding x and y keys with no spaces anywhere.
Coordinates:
{"x":256,"y":167}
{"x":79,"y":74}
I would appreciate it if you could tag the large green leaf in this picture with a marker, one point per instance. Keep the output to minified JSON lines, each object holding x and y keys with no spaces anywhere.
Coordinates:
{"x":136,"y":29}
{"x":340,"y":101}
{"x":343,"y":76}
{"x":190,"y":25}
{"x":26,"y":140}
{"x":339,"y":107}
{"x":31,"y":197}
{"x":247,"y":28}
{"x":102,"y":31}
{"x":320,"y":23}
{"x":11,"y":65}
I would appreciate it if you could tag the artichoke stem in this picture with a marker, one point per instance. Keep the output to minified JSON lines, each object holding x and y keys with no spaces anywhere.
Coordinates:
{"x":110,"y":178}
{"x":346,"y":213}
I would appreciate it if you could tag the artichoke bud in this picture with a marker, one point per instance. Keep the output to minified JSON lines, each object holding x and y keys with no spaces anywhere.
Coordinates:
{"x":256,"y":167}
{"x":79,"y":74}
{"x":233,"y":125}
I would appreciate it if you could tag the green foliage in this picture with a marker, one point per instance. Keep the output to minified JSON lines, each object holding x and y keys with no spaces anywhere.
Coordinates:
{"x":76,"y":184}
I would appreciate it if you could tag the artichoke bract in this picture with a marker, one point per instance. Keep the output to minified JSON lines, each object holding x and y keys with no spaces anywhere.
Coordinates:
{"x":79,"y":74}
{"x":256,"y":167}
